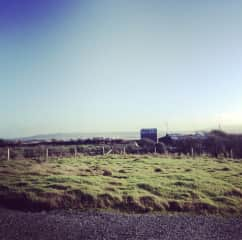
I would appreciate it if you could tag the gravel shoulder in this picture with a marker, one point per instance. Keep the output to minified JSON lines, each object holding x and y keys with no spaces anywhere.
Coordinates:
{"x":98,"y":225}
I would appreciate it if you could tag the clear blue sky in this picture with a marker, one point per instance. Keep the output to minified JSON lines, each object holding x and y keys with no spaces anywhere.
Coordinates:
{"x":88,"y":66}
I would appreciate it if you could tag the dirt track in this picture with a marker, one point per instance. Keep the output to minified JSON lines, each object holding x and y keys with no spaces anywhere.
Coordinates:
{"x":95,"y":225}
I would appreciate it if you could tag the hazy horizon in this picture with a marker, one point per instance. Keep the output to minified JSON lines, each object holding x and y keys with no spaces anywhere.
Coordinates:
{"x":135,"y":133}
{"x":104,"y":66}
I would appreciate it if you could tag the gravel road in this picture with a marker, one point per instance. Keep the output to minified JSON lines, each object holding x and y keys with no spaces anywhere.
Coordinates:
{"x":96,"y":225}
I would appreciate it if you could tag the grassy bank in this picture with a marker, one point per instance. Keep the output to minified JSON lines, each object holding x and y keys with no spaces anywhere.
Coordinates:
{"x":125,"y":183}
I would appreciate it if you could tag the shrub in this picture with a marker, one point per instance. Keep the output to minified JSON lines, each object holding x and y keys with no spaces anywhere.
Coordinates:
{"x":107,"y":172}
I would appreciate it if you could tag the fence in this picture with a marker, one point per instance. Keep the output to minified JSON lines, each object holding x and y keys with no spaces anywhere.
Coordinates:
{"x":42,"y":153}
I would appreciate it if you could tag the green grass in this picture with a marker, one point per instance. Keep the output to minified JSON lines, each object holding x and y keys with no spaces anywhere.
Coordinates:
{"x":131,"y":183}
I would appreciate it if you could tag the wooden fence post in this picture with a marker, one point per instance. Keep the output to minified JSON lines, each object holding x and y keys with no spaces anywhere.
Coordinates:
{"x":166,"y":152}
{"x":8,"y":154}
{"x":103,"y":150}
{"x":192,"y":152}
{"x":75,"y":149}
{"x":47,"y":154}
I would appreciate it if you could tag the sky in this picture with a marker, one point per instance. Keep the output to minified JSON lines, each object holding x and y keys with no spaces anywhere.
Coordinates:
{"x":98,"y":66}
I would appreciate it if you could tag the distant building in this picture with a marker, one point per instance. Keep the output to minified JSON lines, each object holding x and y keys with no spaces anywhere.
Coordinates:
{"x":149,"y":133}
{"x":169,"y":139}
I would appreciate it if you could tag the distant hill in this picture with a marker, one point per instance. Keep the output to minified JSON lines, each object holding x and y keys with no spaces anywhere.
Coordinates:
{"x":115,"y":135}
{"x":68,"y":136}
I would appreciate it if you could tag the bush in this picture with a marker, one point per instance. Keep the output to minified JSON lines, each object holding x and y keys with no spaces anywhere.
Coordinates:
{"x":107,"y":172}
{"x":147,"y":145}
{"x":161,"y":148}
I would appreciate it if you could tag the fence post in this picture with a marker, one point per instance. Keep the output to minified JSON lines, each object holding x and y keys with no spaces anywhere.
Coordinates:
{"x":192,"y":152}
{"x":231,"y":153}
{"x":166,"y":153}
{"x":124,"y":150}
{"x":155,"y":150}
{"x":8,"y":154}
{"x":47,"y":154}
{"x":75,"y":151}
{"x":103,"y":150}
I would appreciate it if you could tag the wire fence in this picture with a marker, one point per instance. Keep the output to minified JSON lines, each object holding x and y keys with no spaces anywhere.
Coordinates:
{"x":42,"y":153}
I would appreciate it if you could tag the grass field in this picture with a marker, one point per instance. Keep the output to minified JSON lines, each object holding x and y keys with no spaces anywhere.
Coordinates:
{"x":129,"y":183}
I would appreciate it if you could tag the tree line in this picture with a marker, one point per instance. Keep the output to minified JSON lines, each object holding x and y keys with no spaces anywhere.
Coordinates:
{"x":215,"y":143}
